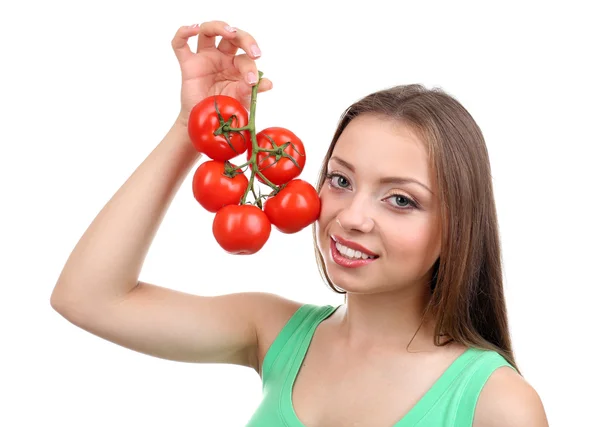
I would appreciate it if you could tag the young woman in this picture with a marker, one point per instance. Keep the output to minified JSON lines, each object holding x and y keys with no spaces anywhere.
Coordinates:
{"x":407,"y":230}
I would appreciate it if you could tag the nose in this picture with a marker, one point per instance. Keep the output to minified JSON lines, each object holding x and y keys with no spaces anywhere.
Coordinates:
{"x":356,"y":216}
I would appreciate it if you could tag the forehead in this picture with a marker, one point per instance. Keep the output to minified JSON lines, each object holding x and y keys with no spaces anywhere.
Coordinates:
{"x":381,"y":147}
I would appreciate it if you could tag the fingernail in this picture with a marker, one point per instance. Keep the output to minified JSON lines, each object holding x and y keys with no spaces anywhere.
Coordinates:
{"x":255,"y":50}
{"x":230,"y":29}
{"x":194,"y":26}
{"x":251,"y":78}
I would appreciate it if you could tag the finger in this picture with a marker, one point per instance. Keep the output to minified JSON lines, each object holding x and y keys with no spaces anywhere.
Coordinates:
{"x":247,"y":68}
{"x":241,"y":40}
{"x":245,"y":91}
{"x":265,"y":85}
{"x":180,"y":41}
{"x":210,"y":30}
{"x":227,"y":47}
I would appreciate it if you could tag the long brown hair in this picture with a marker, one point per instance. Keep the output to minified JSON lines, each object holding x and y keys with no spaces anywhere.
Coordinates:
{"x":467,"y":294}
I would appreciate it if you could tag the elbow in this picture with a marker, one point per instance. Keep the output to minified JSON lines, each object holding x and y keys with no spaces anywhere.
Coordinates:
{"x":57,"y":302}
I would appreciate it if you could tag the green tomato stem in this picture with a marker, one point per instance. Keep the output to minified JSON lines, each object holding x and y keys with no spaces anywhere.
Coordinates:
{"x":250,"y":186}
{"x":228,"y":129}
{"x":269,"y":183}
{"x":255,"y":148}
{"x":244,"y":165}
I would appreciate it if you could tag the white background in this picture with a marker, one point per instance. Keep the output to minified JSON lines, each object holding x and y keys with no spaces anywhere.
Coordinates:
{"x":88,"y":89}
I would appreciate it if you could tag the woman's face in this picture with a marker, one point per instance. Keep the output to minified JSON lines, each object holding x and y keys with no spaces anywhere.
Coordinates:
{"x":358,"y":204}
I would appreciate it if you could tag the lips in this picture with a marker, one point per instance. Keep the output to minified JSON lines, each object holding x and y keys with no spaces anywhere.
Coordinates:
{"x":341,"y":260}
{"x":353,"y":245}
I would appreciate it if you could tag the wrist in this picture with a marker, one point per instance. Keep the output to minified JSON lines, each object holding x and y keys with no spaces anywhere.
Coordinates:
{"x":179,"y":135}
{"x":181,"y":121}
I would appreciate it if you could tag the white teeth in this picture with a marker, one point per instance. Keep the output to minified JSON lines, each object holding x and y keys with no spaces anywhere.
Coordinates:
{"x":351,"y":253}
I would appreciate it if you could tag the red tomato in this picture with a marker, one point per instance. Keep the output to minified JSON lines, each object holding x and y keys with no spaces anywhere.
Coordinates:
{"x":204,"y":121}
{"x":294,"y":207}
{"x":277,"y":168}
{"x":241,"y":229}
{"x":213,"y":189}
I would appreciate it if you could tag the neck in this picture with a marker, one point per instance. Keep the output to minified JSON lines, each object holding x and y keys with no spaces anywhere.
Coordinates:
{"x":386,"y":321}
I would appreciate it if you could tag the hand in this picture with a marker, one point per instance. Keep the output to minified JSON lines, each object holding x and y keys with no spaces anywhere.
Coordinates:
{"x":216,"y":70}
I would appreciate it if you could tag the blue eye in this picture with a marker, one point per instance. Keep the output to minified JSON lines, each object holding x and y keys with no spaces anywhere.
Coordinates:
{"x":330,"y":177}
{"x":342,"y":182}
{"x":408,"y":200}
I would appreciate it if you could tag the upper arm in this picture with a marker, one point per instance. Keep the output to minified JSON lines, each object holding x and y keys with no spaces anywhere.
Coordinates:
{"x":177,"y":326}
{"x":507,"y":400}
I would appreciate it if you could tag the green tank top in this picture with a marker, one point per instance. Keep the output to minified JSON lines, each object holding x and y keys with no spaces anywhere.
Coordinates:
{"x":449,"y":402}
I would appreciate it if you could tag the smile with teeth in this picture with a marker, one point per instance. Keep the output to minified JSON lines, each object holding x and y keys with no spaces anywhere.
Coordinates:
{"x":351,"y":253}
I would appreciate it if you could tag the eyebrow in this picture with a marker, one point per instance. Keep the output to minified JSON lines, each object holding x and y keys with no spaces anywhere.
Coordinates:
{"x":385,"y":180}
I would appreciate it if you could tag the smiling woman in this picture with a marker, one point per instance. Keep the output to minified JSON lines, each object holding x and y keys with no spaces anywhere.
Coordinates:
{"x":436,"y":222}
{"x":407,"y":178}
{"x":407,"y":230}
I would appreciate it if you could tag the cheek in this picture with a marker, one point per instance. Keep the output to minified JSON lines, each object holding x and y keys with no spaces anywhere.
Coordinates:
{"x":326,"y":220}
{"x":327,"y":207}
{"x":410,"y":237}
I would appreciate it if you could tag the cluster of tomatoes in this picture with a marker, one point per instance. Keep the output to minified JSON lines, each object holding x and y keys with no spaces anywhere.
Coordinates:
{"x":219,"y":127}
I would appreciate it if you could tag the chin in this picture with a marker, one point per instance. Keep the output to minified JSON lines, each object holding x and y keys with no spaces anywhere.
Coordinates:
{"x":349,"y":279}
{"x":356,"y":287}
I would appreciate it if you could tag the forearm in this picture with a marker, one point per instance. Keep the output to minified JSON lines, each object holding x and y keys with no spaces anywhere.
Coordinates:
{"x":106,"y":262}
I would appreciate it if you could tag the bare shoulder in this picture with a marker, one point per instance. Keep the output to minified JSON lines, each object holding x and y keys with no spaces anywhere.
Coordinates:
{"x":271,"y":314}
{"x":507,"y":399}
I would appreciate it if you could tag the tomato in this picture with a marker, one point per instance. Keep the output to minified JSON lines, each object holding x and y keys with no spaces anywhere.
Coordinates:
{"x":275,"y":167}
{"x":241,"y":229}
{"x":294,"y":207}
{"x":204,"y":121}
{"x":213,"y":189}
